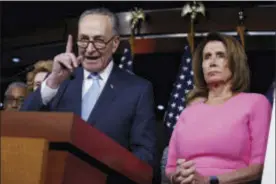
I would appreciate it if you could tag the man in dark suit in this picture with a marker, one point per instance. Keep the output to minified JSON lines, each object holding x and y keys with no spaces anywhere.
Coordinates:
{"x":115,"y":102}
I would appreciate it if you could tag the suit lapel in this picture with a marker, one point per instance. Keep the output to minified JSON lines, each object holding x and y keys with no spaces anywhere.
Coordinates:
{"x":107,"y":96}
{"x":76,"y":94}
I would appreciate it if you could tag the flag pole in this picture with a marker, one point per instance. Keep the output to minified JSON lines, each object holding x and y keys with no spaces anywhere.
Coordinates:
{"x":192,"y":10}
{"x":137,"y":18}
{"x":241,"y":27}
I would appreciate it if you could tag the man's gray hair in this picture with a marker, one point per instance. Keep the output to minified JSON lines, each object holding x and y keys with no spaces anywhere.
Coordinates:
{"x":14,"y":85}
{"x":103,"y":11}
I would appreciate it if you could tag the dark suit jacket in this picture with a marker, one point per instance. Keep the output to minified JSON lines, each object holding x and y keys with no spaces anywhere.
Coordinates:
{"x":269,"y":94}
{"x":124,"y":110}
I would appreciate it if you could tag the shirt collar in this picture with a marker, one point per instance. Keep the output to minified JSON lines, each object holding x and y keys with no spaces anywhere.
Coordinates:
{"x":104,"y":74}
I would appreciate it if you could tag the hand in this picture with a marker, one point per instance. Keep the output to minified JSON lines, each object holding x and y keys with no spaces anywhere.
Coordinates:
{"x":63,"y":65}
{"x":184,"y":172}
{"x":199,"y":179}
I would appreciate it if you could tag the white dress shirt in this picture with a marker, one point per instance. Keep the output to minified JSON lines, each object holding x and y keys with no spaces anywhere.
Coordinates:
{"x":47,"y":93}
{"x":269,"y":165}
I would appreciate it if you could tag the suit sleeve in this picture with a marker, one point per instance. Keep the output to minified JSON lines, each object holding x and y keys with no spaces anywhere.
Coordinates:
{"x":43,"y":99}
{"x":143,"y":135}
{"x":34,"y":102}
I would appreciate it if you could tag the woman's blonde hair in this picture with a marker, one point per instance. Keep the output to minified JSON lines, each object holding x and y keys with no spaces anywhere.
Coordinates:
{"x":40,"y":66}
{"x":237,"y":64}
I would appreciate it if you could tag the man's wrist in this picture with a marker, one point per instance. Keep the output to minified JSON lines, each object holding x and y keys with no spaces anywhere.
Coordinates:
{"x":52,"y":81}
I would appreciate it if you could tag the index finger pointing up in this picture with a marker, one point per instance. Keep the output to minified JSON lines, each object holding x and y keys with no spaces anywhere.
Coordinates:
{"x":69,"y":45}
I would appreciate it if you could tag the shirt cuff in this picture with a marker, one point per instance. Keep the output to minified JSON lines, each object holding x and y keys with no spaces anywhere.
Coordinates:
{"x":47,"y":93}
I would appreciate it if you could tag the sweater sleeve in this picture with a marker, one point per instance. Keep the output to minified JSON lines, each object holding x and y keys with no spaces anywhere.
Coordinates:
{"x":259,"y":123}
{"x":172,"y":148}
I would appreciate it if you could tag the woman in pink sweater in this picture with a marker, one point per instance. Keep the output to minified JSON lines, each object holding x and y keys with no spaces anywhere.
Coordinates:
{"x":220,"y":140}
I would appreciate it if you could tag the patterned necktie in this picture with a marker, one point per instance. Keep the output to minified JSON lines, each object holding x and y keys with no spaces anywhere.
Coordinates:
{"x":91,"y":96}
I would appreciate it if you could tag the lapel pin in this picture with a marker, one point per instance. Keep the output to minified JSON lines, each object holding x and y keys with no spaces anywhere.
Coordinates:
{"x":111,"y":85}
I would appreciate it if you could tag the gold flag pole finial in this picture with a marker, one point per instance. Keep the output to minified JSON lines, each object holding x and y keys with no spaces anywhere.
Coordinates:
{"x":241,"y":27}
{"x":193,"y":10}
{"x":137,"y":17}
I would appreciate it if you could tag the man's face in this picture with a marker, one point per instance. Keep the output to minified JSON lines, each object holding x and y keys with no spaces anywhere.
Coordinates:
{"x":96,"y":29}
{"x":15,"y":98}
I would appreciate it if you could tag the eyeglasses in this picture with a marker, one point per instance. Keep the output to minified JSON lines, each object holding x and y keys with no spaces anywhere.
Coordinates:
{"x":11,"y":99}
{"x":97,"y":43}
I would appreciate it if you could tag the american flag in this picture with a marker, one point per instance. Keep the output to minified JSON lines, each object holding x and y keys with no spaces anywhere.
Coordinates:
{"x":126,"y":62}
{"x":182,"y":85}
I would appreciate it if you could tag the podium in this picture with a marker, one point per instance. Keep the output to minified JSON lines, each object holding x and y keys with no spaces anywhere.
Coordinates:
{"x":61,"y":148}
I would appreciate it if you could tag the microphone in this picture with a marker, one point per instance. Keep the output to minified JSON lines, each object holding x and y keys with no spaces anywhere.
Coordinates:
{"x":28,"y":69}
{"x":24,"y":71}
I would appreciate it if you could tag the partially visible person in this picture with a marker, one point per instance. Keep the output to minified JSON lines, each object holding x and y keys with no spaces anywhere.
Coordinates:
{"x":14,"y":96}
{"x":164,"y":178}
{"x":222,"y":139}
{"x":41,"y":70}
{"x":269,"y":93}
{"x":269,"y":165}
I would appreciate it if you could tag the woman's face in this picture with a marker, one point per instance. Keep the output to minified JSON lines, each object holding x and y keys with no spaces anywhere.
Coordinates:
{"x":38,"y":79}
{"x":215,"y":63}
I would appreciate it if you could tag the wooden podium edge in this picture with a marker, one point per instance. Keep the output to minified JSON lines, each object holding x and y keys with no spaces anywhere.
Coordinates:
{"x":128,"y":164}
{"x":80,"y":154}
{"x":115,"y":158}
